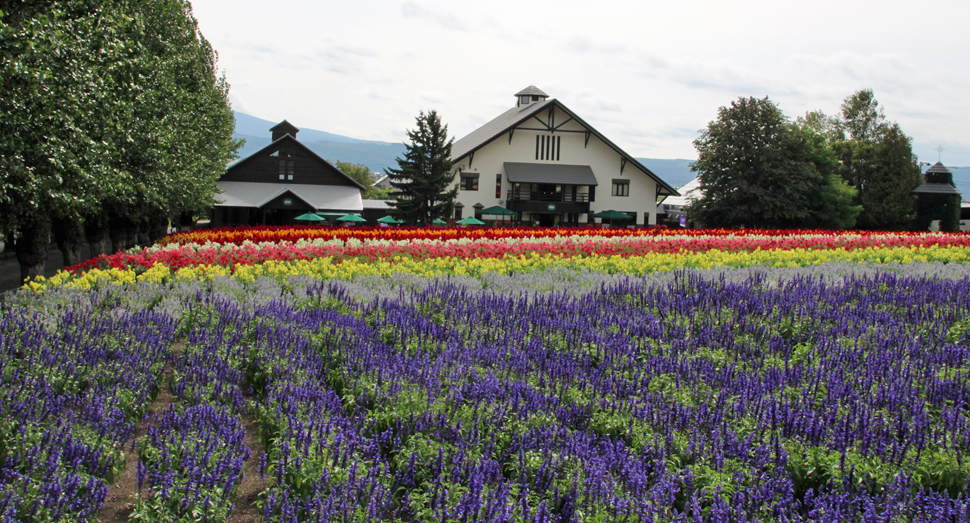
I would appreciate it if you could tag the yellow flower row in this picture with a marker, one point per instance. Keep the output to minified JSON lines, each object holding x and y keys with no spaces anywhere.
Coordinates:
{"x":325,"y":268}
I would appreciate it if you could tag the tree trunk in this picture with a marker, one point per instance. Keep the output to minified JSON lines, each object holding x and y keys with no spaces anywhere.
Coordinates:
{"x":96,"y":232}
{"x":142,"y":232}
{"x":69,"y":235}
{"x":122,"y":232}
{"x":157,"y":228}
{"x":32,"y":246}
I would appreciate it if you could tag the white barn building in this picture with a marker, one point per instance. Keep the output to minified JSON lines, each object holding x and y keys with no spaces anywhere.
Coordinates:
{"x":543,"y":161}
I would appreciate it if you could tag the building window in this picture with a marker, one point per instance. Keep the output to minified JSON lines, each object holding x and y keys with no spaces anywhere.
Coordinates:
{"x":547,"y":147}
{"x":282,"y":169}
{"x":621,"y":188}
{"x":592,"y":193}
{"x":524,"y":100}
{"x":457,"y":213}
{"x":498,"y":186}
{"x":646,"y":218}
{"x":469,"y":181}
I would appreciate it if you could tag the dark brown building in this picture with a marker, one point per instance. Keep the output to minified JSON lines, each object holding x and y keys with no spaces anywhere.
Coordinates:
{"x":282,"y":181}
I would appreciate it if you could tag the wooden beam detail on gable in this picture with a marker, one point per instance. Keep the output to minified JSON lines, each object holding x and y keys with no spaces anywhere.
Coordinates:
{"x":622,"y":164}
{"x":511,"y":132}
{"x":588,"y":134}
{"x":471,"y":157}
{"x":564,"y":123}
{"x":545,"y":125}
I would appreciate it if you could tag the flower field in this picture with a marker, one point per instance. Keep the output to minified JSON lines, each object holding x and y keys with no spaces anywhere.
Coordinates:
{"x":497,"y":375}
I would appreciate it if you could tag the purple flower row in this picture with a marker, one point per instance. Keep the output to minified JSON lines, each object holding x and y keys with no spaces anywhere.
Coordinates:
{"x":699,"y":399}
{"x":73,"y":383}
{"x":191,"y":461}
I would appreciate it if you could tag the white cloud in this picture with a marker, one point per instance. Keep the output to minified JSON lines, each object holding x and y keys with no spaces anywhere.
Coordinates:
{"x":436,"y":14}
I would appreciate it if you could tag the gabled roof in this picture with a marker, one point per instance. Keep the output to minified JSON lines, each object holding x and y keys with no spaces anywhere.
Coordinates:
{"x":294,"y":141}
{"x":492,"y":130}
{"x":513,"y":117}
{"x":256,"y":195}
{"x":530,"y":91}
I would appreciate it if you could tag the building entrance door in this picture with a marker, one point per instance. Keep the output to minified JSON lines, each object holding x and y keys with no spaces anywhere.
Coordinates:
{"x":548,"y":219}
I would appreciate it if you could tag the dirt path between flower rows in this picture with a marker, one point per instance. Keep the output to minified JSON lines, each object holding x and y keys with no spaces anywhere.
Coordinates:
{"x":253,"y":482}
{"x":120,"y":501}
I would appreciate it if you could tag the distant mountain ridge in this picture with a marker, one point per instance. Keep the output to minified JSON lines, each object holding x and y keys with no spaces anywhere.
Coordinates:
{"x":378,"y":155}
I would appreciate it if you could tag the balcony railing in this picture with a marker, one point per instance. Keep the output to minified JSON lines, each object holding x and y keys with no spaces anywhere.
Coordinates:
{"x":548,"y":196}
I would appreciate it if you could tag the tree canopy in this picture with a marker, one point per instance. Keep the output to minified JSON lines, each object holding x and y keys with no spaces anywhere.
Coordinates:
{"x":877,"y":159}
{"x":423,"y":177}
{"x":110,"y":106}
{"x":758,"y":169}
{"x":364,"y":176}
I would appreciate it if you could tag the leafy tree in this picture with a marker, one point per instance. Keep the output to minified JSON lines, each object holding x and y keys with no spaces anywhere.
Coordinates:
{"x":421,"y":181}
{"x":179,"y":127}
{"x":758,"y":169}
{"x":57,"y":60}
{"x":876,"y":158}
{"x":835,"y":207}
{"x":111,"y":106}
{"x":863,"y":118}
{"x":887,"y":195}
{"x":827,"y":126}
{"x":363,"y":175}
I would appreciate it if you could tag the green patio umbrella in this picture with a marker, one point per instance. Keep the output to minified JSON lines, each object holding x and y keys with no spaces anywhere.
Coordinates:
{"x":389,"y":219}
{"x":471,"y":220}
{"x":439,"y":221}
{"x":309,"y":217}
{"x":613,"y":215}
{"x":351,"y":218}
{"x":498,"y":210}
{"x":330,"y":215}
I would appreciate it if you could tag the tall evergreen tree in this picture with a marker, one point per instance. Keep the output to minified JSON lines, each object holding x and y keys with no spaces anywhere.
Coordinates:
{"x":423,"y":177}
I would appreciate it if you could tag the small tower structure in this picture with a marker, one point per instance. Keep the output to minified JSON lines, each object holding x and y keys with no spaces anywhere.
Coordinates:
{"x":938,"y":200}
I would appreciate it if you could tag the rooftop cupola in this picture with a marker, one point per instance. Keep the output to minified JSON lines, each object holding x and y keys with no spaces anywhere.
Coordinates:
{"x":282,"y":129}
{"x":530,"y":95}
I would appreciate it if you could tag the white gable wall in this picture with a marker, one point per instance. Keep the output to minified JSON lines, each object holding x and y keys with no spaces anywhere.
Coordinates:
{"x":602,"y":159}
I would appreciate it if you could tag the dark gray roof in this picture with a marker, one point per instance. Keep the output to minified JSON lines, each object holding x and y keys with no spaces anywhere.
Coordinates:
{"x":936,"y":188}
{"x":531,"y":90}
{"x":549,"y":173}
{"x":938,"y":168}
{"x":493,"y":129}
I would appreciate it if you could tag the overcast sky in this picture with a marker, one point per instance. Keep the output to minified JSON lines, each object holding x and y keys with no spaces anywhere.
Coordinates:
{"x":648,"y":75}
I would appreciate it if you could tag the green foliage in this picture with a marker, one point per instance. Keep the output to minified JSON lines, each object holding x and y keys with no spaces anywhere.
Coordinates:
{"x":758,"y":169}
{"x":863,"y":119}
{"x":421,"y":181}
{"x":363,"y":175}
{"x":110,"y":106}
{"x":877,"y":160}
